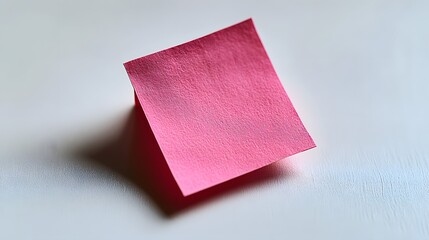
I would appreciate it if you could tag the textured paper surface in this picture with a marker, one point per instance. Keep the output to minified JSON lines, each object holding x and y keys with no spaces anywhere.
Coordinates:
{"x":217,"y":108}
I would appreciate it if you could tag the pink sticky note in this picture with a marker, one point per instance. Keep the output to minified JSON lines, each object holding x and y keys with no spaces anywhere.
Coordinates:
{"x":217,"y":108}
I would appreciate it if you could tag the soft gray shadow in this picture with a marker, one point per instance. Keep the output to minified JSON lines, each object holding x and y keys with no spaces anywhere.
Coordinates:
{"x":135,"y":155}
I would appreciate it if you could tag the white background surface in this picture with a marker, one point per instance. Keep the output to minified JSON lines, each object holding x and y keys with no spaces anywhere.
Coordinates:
{"x":357,"y":72}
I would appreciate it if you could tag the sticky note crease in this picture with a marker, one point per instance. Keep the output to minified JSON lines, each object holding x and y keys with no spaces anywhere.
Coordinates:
{"x":217,"y":108}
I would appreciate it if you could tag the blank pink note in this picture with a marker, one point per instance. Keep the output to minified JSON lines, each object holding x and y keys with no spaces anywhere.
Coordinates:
{"x":217,"y":108}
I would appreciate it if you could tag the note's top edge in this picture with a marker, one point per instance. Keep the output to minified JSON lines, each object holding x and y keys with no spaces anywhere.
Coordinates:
{"x":247,"y":21}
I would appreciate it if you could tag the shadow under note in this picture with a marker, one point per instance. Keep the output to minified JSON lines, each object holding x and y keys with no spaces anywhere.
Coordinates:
{"x":135,"y":155}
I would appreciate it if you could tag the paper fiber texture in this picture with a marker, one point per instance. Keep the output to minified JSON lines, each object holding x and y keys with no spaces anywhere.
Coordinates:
{"x":217,"y":108}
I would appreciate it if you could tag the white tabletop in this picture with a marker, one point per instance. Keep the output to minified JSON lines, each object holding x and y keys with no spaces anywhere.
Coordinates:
{"x":356,"y":71}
